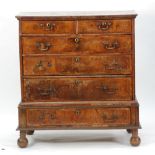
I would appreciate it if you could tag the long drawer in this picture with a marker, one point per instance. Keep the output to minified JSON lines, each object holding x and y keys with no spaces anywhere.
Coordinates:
{"x":94,"y":117}
{"x":81,"y":44}
{"x":77,"y":89}
{"x":77,"y":65}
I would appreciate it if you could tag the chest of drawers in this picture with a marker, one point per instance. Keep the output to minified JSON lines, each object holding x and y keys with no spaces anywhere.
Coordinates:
{"x":77,"y":72}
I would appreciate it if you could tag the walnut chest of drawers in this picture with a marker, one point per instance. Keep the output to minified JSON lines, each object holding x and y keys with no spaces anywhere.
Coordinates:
{"x":77,"y":72}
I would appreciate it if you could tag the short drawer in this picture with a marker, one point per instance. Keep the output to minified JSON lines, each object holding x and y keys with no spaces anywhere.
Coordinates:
{"x":77,"y":65}
{"x":48,"y":27}
{"x":104,"y":26}
{"x":73,"y":117}
{"x":81,"y":44}
{"x":77,"y":89}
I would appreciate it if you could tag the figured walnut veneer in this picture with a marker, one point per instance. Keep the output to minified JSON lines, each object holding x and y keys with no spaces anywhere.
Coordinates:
{"x":77,"y":72}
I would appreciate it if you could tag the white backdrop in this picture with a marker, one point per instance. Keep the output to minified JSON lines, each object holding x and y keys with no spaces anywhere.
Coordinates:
{"x":76,"y":142}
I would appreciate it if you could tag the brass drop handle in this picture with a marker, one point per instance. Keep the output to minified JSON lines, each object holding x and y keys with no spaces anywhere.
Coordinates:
{"x":111,"y":46}
{"x":39,"y":66}
{"x":43,"y":46}
{"x":108,"y":90}
{"x":45,"y":92}
{"x":114,"y":66}
{"x":104,"y":25}
{"x":47,"y":26}
{"x":109,"y":118}
{"x":77,"y":59}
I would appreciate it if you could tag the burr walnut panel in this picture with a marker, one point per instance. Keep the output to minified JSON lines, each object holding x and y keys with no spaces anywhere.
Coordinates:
{"x":77,"y":65}
{"x":77,"y":89}
{"x":78,"y":117}
{"x":81,"y":44}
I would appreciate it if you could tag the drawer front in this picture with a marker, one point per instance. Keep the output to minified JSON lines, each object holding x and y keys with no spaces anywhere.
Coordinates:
{"x":49,"y":45}
{"x":47,"y":27}
{"x":105,"y":44}
{"x":77,"y":89}
{"x":83,"y":44}
{"x":77,"y":65}
{"x":96,"y":117}
{"x":103,"y":26}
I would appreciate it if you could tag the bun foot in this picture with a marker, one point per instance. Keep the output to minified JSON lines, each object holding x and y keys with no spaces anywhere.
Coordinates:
{"x":135,"y":141}
{"x":22,"y":141}
{"x":129,"y":130}
{"x":30,"y":132}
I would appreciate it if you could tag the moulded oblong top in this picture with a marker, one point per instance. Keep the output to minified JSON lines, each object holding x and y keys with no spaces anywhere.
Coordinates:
{"x":77,"y":14}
